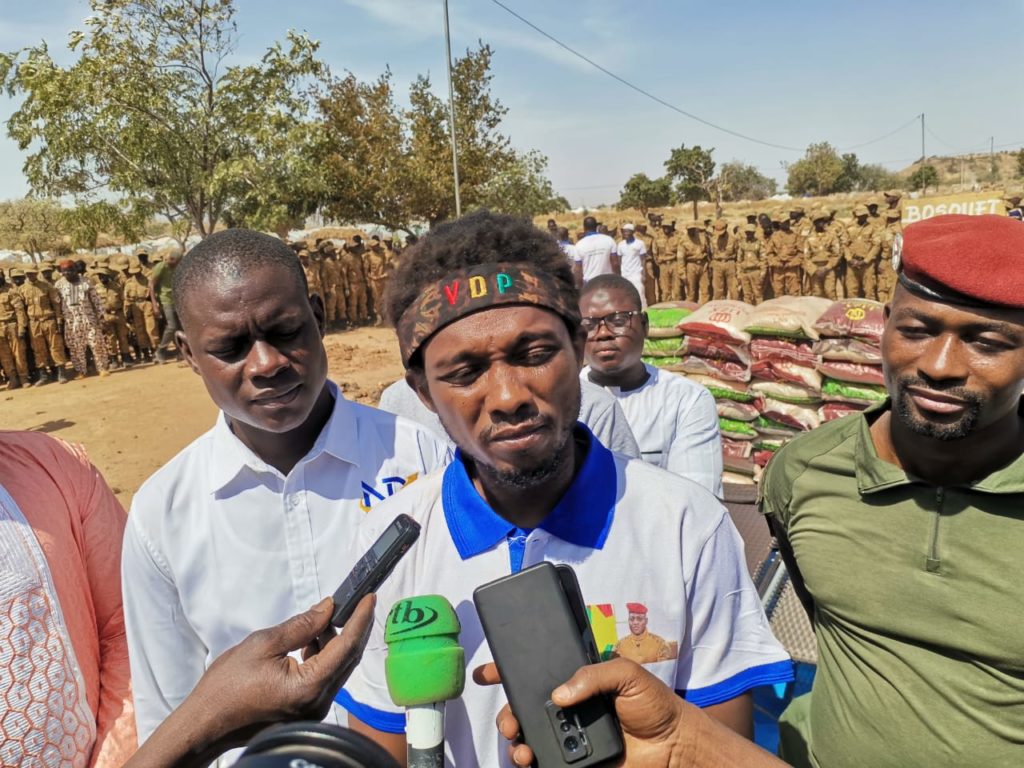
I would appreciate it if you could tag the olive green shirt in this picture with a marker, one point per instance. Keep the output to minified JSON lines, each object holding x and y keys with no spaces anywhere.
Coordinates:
{"x":918,"y":601}
{"x":163,"y":278}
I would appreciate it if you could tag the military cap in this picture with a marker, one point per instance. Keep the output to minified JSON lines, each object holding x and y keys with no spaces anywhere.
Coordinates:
{"x":156,"y":258}
{"x":751,"y":228}
{"x":778,"y":217}
{"x":32,"y":269}
{"x":818,"y":214}
{"x":893,"y":193}
{"x":140,"y":251}
{"x":16,"y":272}
{"x":694,"y":225}
{"x":796,"y":209}
{"x":47,"y":264}
{"x":303,"y":253}
{"x":721,"y":225}
{"x":134,"y":269}
{"x":1013,"y":197}
{"x":861,"y":210}
{"x":327,"y":245}
{"x":873,"y":201}
{"x":931,"y":255}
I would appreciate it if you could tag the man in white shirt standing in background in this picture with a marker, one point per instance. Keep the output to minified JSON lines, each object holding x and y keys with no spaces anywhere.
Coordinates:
{"x":597,"y":253}
{"x":632,"y":254}
{"x":673,"y":419}
{"x":255,"y":520}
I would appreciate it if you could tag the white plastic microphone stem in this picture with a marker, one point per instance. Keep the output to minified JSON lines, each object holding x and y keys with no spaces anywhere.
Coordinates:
{"x":424,"y":735}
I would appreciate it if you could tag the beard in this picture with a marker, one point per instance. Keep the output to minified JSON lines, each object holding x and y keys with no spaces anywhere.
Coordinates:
{"x":920,"y":425}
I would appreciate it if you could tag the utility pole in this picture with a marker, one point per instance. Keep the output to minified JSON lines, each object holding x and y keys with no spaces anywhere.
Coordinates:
{"x":451,"y":110}
{"x":922,"y":139}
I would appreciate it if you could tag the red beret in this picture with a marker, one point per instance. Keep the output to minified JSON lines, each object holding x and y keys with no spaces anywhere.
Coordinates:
{"x":970,"y":260}
{"x":636,"y":608}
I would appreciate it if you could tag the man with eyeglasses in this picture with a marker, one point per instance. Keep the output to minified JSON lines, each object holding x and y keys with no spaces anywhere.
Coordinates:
{"x":673,"y":419}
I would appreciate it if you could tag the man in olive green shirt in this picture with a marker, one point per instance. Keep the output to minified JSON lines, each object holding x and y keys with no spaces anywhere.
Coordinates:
{"x":903,"y":527}
{"x":160,"y":282}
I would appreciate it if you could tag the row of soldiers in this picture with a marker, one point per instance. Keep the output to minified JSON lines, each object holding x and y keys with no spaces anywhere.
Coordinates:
{"x":349,"y":276}
{"x":787,"y":253}
{"x":32,"y":344}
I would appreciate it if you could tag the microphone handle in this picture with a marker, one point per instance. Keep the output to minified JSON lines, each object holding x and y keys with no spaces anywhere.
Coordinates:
{"x":424,"y":735}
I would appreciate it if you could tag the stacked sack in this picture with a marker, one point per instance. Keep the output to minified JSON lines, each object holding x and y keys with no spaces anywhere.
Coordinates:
{"x":661,"y":348}
{"x":850,"y":357}
{"x":715,"y":352}
{"x":785,"y":379}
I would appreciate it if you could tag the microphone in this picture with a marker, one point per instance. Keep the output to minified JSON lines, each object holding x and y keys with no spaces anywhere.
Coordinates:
{"x":425,"y":667}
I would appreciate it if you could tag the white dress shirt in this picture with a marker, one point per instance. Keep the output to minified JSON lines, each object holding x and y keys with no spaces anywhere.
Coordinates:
{"x":632,"y":253}
{"x":675,"y":422}
{"x":595,"y":252}
{"x":599,"y":410}
{"x":219,"y":543}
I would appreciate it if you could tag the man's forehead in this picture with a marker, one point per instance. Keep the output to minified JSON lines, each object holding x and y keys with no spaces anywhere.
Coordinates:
{"x":907,"y":304}
{"x":495,"y":328}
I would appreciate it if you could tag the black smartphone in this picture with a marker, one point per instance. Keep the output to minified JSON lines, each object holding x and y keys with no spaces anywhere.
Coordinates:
{"x":373,"y":567}
{"x":536,"y":625}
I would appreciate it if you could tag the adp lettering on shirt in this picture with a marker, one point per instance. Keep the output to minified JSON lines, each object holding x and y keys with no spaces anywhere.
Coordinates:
{"x":477,"y":286}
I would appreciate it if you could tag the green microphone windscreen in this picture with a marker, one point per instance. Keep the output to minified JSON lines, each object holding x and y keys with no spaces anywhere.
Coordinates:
{"x":425,"y":662}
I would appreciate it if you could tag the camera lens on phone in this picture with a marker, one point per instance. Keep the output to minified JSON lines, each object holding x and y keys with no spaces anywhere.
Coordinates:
{"x":566,"y":727}
{"x":572,"y":743}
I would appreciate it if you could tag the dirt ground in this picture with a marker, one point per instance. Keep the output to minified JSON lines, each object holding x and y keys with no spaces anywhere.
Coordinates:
{"x":135,"y":420}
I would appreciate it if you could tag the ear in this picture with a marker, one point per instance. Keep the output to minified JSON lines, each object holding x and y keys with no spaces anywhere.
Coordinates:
{"x":645,"y":323}
{"x":416,"y":378}
{"x":317,"y":305}
{"x":579,"y":346}
{"x":181,"y":342}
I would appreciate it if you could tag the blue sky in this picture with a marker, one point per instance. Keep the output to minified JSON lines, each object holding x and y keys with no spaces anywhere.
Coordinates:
{"x":789,"y":73}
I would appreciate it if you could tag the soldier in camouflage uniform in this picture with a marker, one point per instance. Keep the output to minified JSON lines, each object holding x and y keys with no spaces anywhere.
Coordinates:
{"x":886,"y":274}
{"x":45,"y":327}
{"x":650,"y":266}
{"x":13,"y":329}
{"x":334,"y":298}
{"x":375,"y":264}
{"x":785,"y":257}
{"x":115,"y":326}
{"x":751,"y":265}
{"x":822,"y":254}
{"x":664,"y":255}
{"x":692,"y":255}
{"x":724,"y":284}
{"x":312,"y":271}
{"x":355,"y":280}
{"x":865,"y":245}
{"x":139,"y":311}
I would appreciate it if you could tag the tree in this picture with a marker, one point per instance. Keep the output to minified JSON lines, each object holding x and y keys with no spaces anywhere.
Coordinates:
{"x":1020,"y":162}
{"x":739,"y":181}
{"x":31,"y":225}
{"x":924,"y":177}
{"x":874,"y":178}
{"x":693,"y":172}
{"x":644,"y":193}
{"x":152,"y":112}
{"x":818,"y":172}
{"x":391,"y":166}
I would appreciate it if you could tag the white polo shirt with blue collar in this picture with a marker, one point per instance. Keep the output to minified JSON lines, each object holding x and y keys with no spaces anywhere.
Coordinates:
{"x":219,"y":543}
{"x":634,"y":534}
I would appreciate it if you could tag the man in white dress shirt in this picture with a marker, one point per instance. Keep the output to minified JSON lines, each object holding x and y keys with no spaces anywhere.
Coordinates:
{"x":632,"y":255}
{"x":596,"y":252}
{"x":673,"y":419}
{"x":255,"y":520}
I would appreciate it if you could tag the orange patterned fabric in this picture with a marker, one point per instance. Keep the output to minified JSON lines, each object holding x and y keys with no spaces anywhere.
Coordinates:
{"x":78,"y":525}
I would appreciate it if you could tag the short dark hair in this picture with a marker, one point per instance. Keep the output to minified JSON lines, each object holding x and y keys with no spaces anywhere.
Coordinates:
{"x":610,"y":282}
{"x":590,"y":223}
{"x":232,"y":253}
{"x":481,"y":237}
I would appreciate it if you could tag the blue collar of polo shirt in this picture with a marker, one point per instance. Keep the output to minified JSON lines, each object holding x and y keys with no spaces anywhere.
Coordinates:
{"x":583,"y":516}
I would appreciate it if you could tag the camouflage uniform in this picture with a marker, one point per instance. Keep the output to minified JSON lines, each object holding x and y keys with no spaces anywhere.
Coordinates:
{"x":42,"y":305}
{"x":330,"y":274}
{"x":13,"y":327}
{"x":822,"y":254}
{"x":311,"y":269}
{"x":355,"y":281}
{"x":376,"y":267}
{"x":886,"y":274}
{"x":651,"y":287}
{"x":692,"y":256}
{"x":663,"y":253}
{"x":751,"y":265}
{"x":862,"y":256}
{"x":785,"y":257}
{"x":724,"y":284}
{"x":139,"y":310}
{"x":115,"y":326}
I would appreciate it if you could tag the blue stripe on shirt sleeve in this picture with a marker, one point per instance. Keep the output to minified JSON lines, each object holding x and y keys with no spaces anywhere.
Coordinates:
{"x":765,"y":674}
{"x":388,"y":722}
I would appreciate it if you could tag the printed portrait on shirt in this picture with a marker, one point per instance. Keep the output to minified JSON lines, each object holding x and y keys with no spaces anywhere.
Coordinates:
{"x":633,"y":638}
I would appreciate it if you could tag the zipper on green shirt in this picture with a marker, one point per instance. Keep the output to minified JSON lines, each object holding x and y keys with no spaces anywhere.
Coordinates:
{"x":933,"y":562}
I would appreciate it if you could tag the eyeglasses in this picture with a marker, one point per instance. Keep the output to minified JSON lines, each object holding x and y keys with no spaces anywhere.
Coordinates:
{"x":616,"y":322}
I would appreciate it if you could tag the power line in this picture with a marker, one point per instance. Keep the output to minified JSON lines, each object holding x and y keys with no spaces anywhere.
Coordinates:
{"x":907,"y":124}
{"x":640,"y":90}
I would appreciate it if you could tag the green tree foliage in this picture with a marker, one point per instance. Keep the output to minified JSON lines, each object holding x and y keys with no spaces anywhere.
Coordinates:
{"x":392,"y":166}
{"x":1020,"y":162}
{"x":693,"y":172}
{"x":924,"y":177}
{"x":818,"y":172}
{"x":875,"y":178}
{"x":31,"y":225}
{"x":152,"y":112}
{"x":739,"y":181}
{"x":643,"y":193}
